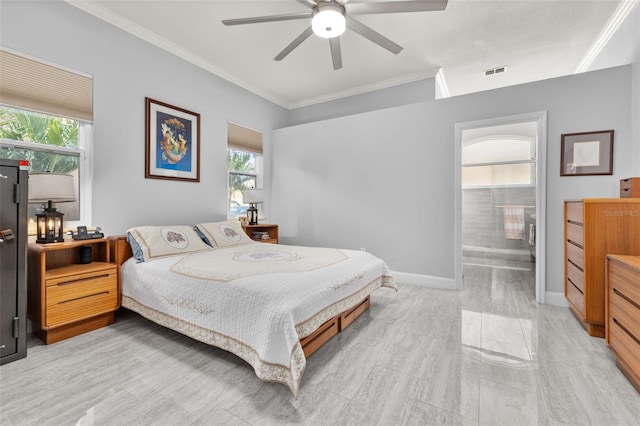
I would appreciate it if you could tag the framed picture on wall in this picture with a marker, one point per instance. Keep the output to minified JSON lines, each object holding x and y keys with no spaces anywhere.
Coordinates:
{"x":172,"y":142}
{"x":588,"y":153}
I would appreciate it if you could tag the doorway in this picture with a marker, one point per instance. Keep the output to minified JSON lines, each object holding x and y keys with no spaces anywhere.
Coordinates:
{"x":501,"y":195}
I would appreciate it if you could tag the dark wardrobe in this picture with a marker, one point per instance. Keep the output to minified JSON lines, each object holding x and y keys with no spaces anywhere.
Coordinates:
{"x":13,"y":255}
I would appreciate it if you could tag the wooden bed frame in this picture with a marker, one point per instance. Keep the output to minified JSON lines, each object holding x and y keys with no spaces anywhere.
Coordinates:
{"x":120,"y":251}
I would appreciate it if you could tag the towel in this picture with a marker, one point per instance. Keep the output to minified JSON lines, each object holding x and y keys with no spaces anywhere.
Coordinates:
{"x":514,"y":222}
{"x":532,"y":234}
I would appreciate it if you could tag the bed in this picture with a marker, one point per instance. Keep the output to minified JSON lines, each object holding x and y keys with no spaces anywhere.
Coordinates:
{"x":271,"y":305}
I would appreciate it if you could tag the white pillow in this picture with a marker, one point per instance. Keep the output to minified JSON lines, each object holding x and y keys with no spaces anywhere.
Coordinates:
{"x":224,"y":234}
{"x":148,"y":242}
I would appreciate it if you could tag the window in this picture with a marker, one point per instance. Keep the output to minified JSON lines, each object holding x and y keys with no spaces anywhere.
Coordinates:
{"x":50,"y":144}
{"x":498,"y":161}
{"x":244,"y":173}
{"x":244,"y":161}
{"x":58,"y":137}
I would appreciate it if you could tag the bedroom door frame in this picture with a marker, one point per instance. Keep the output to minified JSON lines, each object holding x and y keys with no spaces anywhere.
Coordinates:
{"x":540,"y":118}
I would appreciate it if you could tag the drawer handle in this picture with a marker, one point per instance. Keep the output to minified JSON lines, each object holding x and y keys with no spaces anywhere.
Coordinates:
{"x":626,"y":330}
{"x":83,"y":279}
{"x":575,"y":244}
{"x":569,"y":260}
{"x":615,"y":290}
{"x":573,"y":284}
{"x":83,"y":297}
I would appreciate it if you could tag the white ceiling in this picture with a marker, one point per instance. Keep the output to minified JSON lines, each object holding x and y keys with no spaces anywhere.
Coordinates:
{"x":534,"y":39}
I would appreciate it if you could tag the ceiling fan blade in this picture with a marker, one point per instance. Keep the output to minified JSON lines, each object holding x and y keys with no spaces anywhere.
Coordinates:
{"x":309,"y":3}
{"x":272,"y":18}
{"x":373,"y":35}
{"x":396,"y":6}
{"x":336,"y":52}
{"x":295,"y":43}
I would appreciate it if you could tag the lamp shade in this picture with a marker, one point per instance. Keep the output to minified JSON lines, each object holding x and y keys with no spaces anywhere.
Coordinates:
{"x":55,"y":187}
{"x":252,"y":196}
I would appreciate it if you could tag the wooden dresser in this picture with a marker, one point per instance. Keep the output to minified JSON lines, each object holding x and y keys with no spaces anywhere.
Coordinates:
{"x":623,"y":314}
{"x":595,"y":227}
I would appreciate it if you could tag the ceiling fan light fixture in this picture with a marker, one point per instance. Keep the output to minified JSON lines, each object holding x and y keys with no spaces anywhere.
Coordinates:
{"x":328,"y":21}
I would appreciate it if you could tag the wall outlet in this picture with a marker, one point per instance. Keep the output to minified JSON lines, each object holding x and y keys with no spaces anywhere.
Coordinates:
{"x":363,"y":249}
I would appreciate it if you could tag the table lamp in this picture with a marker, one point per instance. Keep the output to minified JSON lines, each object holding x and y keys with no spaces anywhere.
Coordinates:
{"x":252,"y":197}
{"x":50,"y":188}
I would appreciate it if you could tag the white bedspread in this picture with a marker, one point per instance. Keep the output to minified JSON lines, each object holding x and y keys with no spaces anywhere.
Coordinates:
{"x":256,"y":301}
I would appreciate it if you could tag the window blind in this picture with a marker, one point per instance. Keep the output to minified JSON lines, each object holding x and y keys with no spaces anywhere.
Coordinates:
{"x":37,"y":86}
{"x":245,"y":139}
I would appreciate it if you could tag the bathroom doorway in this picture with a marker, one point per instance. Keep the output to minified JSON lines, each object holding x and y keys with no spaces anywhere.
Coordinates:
{"x":500,"y":196}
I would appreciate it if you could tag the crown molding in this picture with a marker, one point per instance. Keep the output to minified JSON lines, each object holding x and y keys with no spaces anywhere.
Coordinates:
{"x":618,"y":17}
{"x":441,"y":82}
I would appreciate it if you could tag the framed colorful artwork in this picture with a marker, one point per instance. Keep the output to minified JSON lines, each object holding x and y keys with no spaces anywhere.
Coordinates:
{"x":588,"y":153}
{"x":173,"y":142}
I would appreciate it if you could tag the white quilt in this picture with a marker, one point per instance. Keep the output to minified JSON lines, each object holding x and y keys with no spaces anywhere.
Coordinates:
{"x":256,"y":301}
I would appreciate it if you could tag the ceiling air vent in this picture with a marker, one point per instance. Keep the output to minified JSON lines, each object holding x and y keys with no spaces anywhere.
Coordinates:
{"x":493,"y":71}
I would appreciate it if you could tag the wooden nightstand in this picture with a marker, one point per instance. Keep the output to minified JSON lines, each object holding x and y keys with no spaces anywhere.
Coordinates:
{"x":272,"y":230}
{"x":66,"y":298}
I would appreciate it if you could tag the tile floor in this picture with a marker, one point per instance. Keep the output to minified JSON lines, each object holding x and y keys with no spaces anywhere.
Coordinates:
{"x":488,"y":355}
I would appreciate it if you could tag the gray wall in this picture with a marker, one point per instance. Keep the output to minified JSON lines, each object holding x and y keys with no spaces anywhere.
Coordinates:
{"x":126,"y":70}
{"x":417,"y":91}
{"x":383,"y":180}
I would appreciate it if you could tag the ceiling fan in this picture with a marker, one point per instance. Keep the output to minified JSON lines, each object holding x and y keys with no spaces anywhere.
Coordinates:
{"x":330,"y":18}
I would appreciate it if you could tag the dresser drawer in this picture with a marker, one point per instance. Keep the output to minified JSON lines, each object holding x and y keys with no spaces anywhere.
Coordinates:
{"x":576,"y":276}
{"x":626,"y":314}
{"x":625,"y":347}
{"x":575,"y":233}
{"x":76,"y":299}
{"x":575,"y":255}
{"x":576,"y":297}
{"x":575,"y":211}
{"x":630,"y":188}
{"x":625,"y":280}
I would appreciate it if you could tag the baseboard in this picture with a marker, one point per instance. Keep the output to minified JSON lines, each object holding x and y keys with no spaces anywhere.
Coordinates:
{"x":424,"y":280}
{"x":555,"y":298}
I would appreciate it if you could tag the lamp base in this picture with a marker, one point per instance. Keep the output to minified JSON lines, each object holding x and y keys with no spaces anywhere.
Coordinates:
{"x":49,"y":225}
{"x":252,"y":215}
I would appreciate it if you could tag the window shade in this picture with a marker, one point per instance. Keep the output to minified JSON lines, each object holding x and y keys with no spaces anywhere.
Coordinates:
{"x":244,"y":139}
{"x":32,"y":85}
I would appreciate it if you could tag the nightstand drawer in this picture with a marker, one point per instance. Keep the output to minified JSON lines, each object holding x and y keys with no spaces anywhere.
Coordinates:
{"x":80,"y":298}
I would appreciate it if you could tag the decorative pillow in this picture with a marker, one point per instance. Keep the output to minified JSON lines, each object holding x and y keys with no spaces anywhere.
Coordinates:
{"x":148,"y":242}
{"x":223,"y":234}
